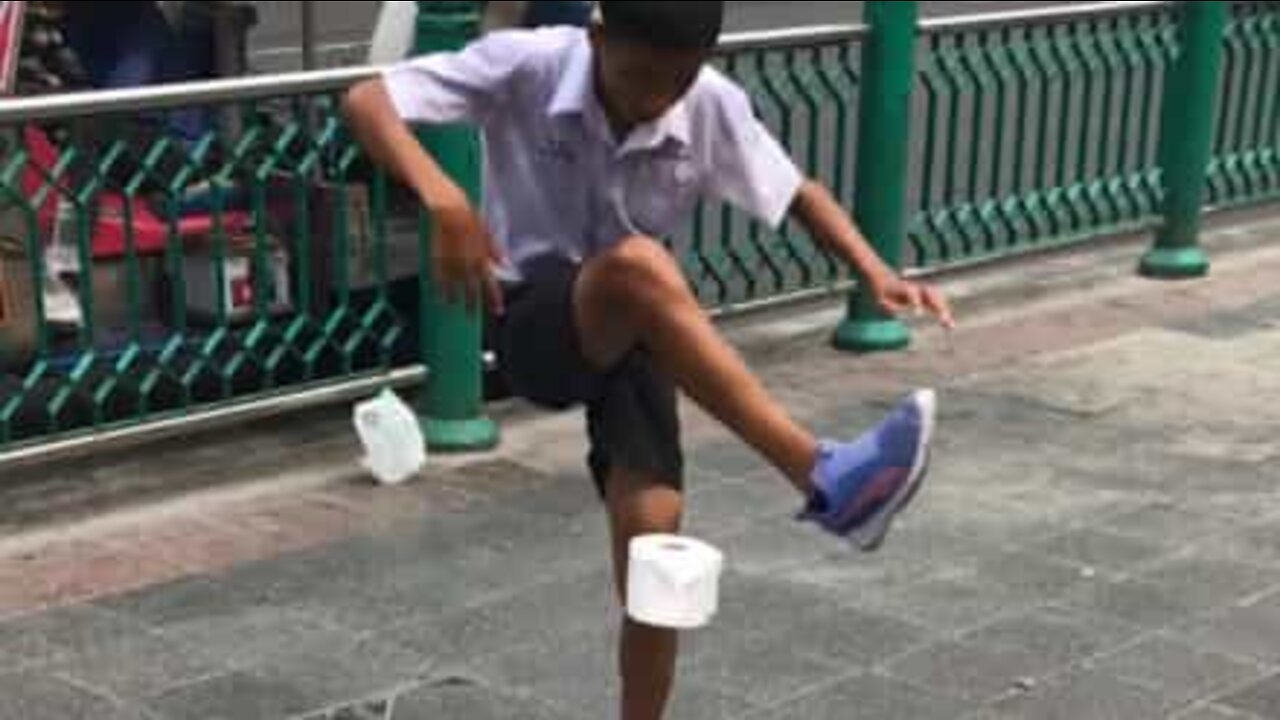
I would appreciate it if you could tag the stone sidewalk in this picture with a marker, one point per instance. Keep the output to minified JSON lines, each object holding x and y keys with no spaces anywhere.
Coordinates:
{"x":1100,"y":540}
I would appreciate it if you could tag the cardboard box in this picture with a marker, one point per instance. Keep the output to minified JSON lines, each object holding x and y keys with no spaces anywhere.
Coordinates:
{"x":239,"y":283}
{"x":316,"y":231}
{"x":17,"y":306}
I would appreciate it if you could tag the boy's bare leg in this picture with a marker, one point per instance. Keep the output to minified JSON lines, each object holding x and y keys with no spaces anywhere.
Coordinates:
{"x":635,"y":294}
{"x":647,"y":656}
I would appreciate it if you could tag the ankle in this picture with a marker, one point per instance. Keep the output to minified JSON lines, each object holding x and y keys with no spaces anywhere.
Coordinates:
{"x":806,"y":474}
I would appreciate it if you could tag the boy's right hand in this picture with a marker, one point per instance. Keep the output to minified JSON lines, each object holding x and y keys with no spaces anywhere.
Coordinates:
{"x":463,"y":255}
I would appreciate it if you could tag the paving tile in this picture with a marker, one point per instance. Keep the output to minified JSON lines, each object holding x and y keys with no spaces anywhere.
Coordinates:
{"x":255,"y":635}
{"x":1137,"y":603}
{"x":579,"y":673}
{"x":1061,"y":637}
{"x":1213,"y":712}
{"x":84,"y":631}
{"x":1084,"y":695}
{"x":32,"y":696}
{"x":66,"y":573}
{"x":1251,"y":543}
{"x":364,"y":710}
{"x":1210,"y":583}
{"x":1251,"y":632}
{"x":978,"y":673}
{"x":24,"y":646}
{"x":771,"y":546}
{"x":1178,"y":672}
{"x":559,"y":608}
{"x":848,"y":637}
{"x":135,"y":667}
{"x":235,"y":696}
{"x":176,"y":602}
{"x":730,"y":459}
{"x":728,"y":507}
{"x":340,"y":669}
{"x":1169,"y":525}
{"x":948,"y":604}
{"x":762,"y":670}
{"x":1104,"y":551}
{"x":869,"y":696}
{"x":1028,"y":577}
{"x":469,"y":702}
{"x":913,"y":554}
{"x":1261,"y":699}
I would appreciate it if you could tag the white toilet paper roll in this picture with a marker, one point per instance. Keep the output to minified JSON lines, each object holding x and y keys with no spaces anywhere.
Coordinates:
{"x":673,"y":582}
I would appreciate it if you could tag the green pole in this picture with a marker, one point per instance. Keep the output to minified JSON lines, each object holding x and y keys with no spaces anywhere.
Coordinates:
{"x":452,"y":408}
{"x":888,"y":66}
{"x":1186,"y":140}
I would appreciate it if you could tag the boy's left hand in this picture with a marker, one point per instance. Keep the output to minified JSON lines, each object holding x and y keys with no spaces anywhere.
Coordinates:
{"x":897,"y":295}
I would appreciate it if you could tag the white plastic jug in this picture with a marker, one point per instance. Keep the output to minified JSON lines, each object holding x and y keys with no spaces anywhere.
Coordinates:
{"x":395,"y":449}
{"x":393,"y":33}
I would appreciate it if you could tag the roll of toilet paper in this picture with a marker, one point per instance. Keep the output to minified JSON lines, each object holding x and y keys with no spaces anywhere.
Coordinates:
{"x":673,"y":582}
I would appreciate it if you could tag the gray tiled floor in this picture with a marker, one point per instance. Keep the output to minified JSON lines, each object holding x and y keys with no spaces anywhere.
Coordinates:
{"x":1059,"y":566}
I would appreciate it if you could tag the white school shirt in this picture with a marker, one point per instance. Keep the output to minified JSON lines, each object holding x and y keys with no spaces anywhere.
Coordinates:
{"x":555,"y":178}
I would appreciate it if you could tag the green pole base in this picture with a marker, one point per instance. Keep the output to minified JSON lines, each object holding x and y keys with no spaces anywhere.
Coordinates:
{"x":1175,"y":264}
{"x":461,"y":436}
{"x":871,"y":336}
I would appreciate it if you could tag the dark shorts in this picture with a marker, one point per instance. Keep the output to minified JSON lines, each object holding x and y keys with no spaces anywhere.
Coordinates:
{"x":632,"y":418}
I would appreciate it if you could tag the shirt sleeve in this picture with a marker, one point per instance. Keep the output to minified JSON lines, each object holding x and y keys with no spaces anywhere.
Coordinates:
{"x":454,"y":87}
{"x":750,"y":169}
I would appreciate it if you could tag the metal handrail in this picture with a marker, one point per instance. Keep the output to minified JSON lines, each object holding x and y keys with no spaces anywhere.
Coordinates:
{"x":1016,"y":18}
{"x":212,"y":92}
{"x":790,"y":37}
{"x":159,"y":97}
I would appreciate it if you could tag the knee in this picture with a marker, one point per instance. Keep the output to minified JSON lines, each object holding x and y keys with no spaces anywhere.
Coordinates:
{"x":642,"y":269}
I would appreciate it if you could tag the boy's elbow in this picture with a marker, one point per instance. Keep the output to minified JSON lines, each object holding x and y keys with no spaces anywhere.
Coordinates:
{"x":359,"y":100}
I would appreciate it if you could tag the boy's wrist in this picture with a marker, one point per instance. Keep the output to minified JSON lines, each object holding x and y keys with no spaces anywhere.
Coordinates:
{"x":881,"y":277}
{"x":443,"y":196}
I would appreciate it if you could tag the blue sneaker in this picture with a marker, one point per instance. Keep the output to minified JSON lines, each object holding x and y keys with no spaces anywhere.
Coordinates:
{"x":863,"y":485}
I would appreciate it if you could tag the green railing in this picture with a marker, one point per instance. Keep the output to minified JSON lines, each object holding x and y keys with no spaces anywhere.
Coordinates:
{"x":1246,"y":164}
{"x":146,"y":279}
{"x":805,"y":88}
{"x":267,"y":257}
{"x":241,"y":264}
{"x":1037,"y":134}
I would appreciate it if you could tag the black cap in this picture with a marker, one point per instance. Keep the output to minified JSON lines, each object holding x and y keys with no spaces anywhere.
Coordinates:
{"x":674,"y":24}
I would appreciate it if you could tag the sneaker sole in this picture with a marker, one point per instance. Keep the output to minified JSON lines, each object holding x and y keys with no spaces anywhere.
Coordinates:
{"x":872,"y":536}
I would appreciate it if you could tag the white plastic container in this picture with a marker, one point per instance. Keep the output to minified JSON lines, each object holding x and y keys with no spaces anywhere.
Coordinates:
{"x":393,"y":33}
{"x":395,"y":449}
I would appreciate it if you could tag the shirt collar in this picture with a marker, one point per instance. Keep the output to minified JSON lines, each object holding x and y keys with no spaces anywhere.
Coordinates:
{"x":575,"y":95}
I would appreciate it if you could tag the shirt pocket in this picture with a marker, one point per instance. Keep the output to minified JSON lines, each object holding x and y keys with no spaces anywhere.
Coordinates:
{"x":661,"y":193}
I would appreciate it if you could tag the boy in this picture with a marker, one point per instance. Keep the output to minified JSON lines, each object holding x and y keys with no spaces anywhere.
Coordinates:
{"x":598,"y":141}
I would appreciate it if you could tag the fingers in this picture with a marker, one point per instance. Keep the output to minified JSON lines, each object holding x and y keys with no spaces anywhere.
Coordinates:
{"x":497,"y":258}
{"x":937,"y":304}
{"x":464,"y":255}
{"x":915,"y":299}
{"x":919,"y":300}
{"x":494,"y":288}
{"x":904,"y":297}
{"x":470,"y":283}
{"x":496,"y":254}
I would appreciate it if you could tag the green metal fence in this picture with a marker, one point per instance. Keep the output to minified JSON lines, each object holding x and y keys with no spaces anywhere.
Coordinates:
{"x":1037,"y":134}
{"x":1246,"y":164}
{"x":244,"y":263}
{"x":146,"y":278}
{"x":805,"y":88}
